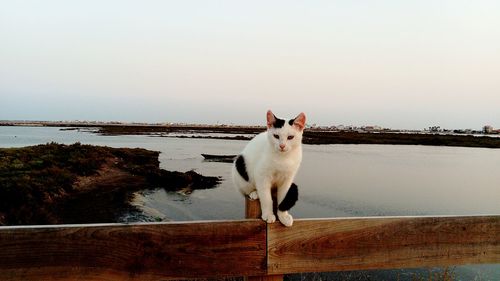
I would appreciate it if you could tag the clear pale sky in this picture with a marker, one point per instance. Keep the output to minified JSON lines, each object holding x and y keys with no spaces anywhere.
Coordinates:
{"x":399,"y":64}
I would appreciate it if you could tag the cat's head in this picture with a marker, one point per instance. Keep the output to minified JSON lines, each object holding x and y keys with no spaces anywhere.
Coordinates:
{"x":285,"y":135}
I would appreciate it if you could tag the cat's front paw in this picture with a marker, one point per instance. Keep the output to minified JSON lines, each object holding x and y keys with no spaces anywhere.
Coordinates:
{"x":285,"y":218}
{"x":253,"y":195}
{"x":270,"y":218}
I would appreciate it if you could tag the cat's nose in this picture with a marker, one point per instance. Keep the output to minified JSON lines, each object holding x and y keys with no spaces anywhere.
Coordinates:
{"x":282,"y":146}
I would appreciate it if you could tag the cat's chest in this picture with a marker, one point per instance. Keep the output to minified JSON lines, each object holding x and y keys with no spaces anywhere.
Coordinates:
{"x":282,"y":167}
{"x":282,"y":172}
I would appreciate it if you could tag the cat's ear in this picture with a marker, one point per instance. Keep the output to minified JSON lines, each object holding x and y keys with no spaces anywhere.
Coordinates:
{"x":271,"y":119}
{"x":300,"y":121}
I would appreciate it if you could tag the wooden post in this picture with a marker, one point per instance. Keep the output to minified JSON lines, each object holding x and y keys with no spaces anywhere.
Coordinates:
{"x":252,"y":211}
{"x":252,"y":207}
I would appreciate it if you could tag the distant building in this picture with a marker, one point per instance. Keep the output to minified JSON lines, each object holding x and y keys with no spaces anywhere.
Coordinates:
{"x":435,"y":129}
{"x":371,"y":128}
{"x":488,"y":129}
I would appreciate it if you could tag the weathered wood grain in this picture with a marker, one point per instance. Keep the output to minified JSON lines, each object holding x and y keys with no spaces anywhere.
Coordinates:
{"x":236,"y":248}
{"x":382,"y":243}
{"x":265,"y":278}
{"x":252,"y":211}
{"x":133,"y":252}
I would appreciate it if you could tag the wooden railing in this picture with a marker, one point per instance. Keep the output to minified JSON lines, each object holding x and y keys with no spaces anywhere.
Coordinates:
{"x":160,"y":251}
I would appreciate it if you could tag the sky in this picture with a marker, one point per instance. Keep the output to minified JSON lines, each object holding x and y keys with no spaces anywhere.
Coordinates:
{"x":397,"y":64}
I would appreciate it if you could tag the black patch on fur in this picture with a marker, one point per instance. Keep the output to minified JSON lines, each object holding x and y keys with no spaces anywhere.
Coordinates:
{"x":291,"y":122}
{"x":278,"y":123}
{"x":290,"y":198}
{"x":241,"y":167}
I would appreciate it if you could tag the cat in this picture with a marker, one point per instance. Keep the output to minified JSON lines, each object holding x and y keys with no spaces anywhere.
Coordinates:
{"x":271,"y":160}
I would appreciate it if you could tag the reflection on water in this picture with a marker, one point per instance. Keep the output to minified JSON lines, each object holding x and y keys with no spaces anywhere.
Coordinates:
{"x":401,"y":180}
{"x":334,"y":180}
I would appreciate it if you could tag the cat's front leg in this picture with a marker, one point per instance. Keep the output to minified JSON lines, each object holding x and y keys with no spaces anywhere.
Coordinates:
{"x":285,"y":218}
{"x":287,"y":196}
{"x":266,"y":202}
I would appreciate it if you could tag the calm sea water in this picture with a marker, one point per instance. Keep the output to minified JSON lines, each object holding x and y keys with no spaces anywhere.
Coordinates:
{"x":334,"y":180}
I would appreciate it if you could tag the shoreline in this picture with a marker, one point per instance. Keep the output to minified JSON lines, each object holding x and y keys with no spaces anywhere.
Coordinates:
{"x":312,"y":136}
{"x":60,"y":184}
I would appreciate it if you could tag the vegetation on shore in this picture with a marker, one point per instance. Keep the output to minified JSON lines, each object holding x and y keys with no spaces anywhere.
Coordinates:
{"x":56,"y":183}
{"x":318,"y":137}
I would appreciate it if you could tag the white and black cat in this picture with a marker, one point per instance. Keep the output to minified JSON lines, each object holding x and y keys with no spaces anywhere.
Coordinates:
{"x":271,"y":160}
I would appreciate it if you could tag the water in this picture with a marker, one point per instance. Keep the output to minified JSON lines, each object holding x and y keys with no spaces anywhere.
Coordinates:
{"x":334,"y":180}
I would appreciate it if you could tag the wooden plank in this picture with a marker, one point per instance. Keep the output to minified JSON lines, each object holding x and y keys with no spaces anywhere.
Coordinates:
{"x":133,"y":252}
{"x":382,"y":243}
{"x":265,"y":278}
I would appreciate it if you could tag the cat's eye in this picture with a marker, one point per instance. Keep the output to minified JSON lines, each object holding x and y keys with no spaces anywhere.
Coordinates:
{"x":276,"y":136}
{"x":290,"y":137}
